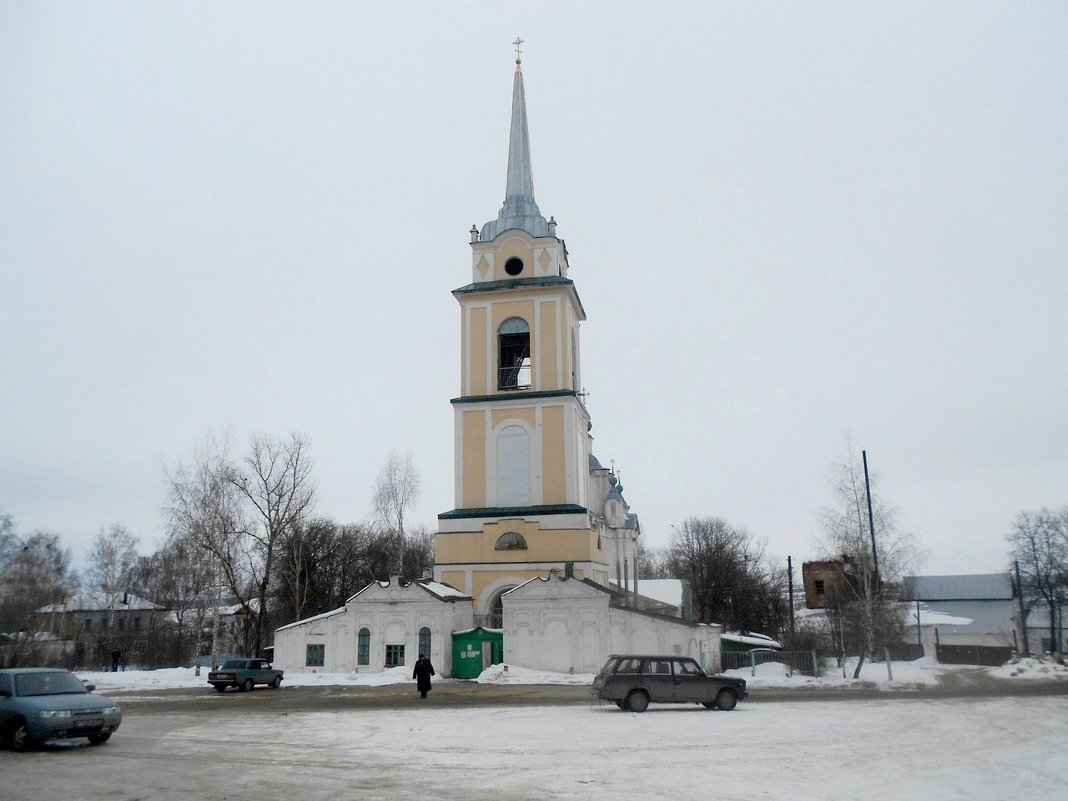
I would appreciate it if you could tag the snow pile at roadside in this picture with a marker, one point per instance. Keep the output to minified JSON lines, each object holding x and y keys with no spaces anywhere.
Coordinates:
{"x":920,"y":672}
{"x":510,"y":674}
{"x":1031,"y":669}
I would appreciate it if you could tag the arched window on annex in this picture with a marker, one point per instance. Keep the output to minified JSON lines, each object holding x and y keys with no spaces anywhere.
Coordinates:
{"x":512,"y":541}
{"x":363,"y":647}
{"x":513,"y":354}
{"x":424,"y":641}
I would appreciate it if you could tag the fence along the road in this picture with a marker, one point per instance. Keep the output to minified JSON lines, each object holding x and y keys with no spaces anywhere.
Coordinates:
{"x":761,"y":662}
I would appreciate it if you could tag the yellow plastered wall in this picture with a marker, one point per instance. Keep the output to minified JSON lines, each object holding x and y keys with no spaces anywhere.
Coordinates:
{"x":524,"y":413}
{"x":479,"y":353}
{"x":473,"y":547}
{"x":547,"y":346}
{"x":454,"y":578}
{"x":474,"y":445}
{"x":552,"y":455}
{"x":518,"y":249}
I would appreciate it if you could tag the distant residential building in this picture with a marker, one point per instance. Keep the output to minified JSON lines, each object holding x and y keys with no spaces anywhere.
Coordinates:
{"x":823,"y":580}
{"x":972,"y":610}
{"x":99,"y":623}
{"x":24,"y":648}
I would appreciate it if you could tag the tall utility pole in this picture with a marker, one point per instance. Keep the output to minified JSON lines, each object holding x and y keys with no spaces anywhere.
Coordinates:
{"x":790,"y":583}
{"x":1023,"y":613}
{"x":871,"y":523}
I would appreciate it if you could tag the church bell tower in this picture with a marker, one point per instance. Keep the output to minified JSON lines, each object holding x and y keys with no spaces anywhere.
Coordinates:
{"x":522,"y":447}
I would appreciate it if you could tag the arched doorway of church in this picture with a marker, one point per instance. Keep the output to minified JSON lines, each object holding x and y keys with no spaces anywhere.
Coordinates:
{"x":495,"y":618}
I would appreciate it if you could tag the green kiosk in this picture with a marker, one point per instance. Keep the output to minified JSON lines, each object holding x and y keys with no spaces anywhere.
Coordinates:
{"x":476,"y":649}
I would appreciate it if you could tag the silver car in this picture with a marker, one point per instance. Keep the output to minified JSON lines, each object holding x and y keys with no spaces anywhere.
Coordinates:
{"x":38,"y":704}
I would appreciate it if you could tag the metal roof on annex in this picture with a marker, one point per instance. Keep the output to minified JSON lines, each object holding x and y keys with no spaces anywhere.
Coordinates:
{"x":975,"y":587}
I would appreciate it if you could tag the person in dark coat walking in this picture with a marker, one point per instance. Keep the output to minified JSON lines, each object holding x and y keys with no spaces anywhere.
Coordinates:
{"x":422,"y":673}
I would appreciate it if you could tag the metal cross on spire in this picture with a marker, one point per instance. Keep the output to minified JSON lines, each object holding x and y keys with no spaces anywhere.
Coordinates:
{"x":518,"y":49}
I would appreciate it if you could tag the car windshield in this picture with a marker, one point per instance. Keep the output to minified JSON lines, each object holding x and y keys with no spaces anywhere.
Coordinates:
{"x":58,"y":682}
{"x":233,"y":664}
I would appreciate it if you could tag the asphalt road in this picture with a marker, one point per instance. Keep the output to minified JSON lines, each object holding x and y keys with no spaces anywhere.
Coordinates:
{"x":453,"y":693}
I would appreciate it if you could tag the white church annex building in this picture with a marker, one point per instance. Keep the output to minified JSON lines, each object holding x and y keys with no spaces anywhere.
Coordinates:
{"x":540,"y":547}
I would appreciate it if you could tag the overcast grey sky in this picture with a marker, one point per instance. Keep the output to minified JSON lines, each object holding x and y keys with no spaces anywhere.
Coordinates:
{"x":787,"y":222}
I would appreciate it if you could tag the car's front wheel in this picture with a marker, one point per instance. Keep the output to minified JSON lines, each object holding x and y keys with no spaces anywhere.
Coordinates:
{"x":248,"y":685}
{"x":727,"y":700}
{"x":100,"y":739}
{"x":19,"y":736}
{"x":637,"y":701}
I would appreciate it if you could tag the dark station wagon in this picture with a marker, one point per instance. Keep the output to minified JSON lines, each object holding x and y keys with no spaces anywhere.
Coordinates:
{"x":244,"y":674}
{"x":635,"y":681}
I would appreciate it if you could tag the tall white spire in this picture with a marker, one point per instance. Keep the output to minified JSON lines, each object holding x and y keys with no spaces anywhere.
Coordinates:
{"x":520,"y":209}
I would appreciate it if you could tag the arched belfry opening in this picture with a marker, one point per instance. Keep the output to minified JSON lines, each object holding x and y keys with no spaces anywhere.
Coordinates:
{"x":513,"y":354}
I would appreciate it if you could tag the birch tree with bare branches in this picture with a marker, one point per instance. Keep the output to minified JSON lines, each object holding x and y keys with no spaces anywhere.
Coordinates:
{"x":396,"y":489}
{"x":867,"y":602}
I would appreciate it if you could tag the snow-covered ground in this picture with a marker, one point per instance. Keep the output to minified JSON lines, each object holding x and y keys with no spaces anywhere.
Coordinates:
{"x":920,"y":672}
{"x":988,"y":749}
{"x":881,"y":749}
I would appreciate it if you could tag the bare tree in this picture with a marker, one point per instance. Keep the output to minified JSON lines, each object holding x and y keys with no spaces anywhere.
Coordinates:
{"x":653,"y":563}
{"x":305,"y":567}
{"x":112,"y":567}
{"x":112,"y":561}
{"x":1039,"y":542}
{"x":9,"y":541}
{"x":276,"y":483}
{"x":729,"y":581}
{"x":205,"y":507}
{"x":34,"y":572}
{"x":419,"y":553}
{"x":867,"y":604}
{"x":181,"y":577}
{"x":396,"y":489}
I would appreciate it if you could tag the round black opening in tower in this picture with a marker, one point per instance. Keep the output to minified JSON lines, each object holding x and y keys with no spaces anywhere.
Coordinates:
{"x":513,"y":266}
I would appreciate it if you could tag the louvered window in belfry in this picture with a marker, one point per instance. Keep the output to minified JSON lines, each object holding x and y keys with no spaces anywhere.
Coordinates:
{"x":513,"y":354}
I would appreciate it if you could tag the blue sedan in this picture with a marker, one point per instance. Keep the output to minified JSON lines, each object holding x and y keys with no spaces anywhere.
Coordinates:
{"x":38,"y":704}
